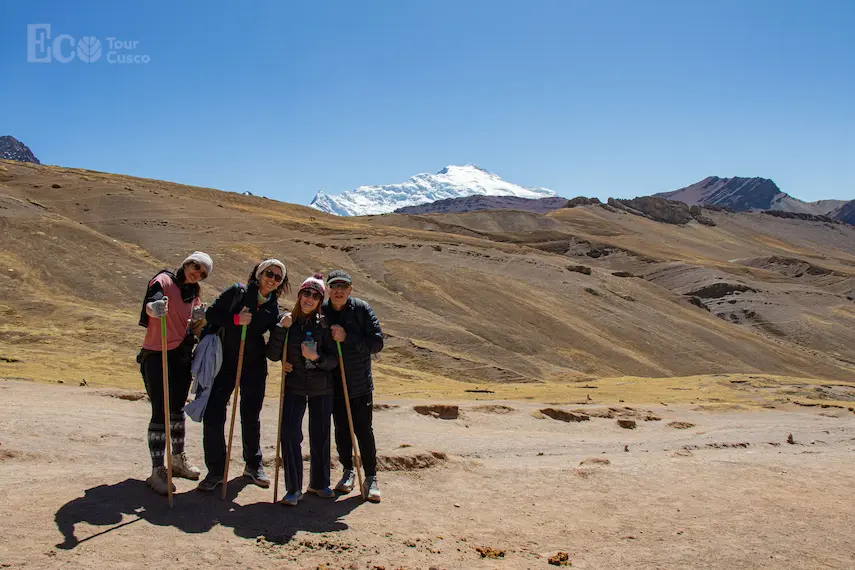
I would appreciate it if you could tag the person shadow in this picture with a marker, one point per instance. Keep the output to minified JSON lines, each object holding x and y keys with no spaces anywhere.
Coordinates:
{"x":196,"y":512}
{"x":279,"y":524}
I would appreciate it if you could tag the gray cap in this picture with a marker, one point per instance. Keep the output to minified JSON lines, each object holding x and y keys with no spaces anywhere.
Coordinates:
{"x":337,"y":275}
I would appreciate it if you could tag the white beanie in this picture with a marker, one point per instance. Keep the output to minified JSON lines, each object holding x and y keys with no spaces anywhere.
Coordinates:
{"x":202,"y":259}
{"x":267,"y":263}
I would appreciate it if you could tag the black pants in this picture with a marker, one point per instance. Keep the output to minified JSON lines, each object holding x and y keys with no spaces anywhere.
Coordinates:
{"x":293,"y":410}
{"x":178,"y":361}
{"x":361,"y":409}
{"x":252,"y":384}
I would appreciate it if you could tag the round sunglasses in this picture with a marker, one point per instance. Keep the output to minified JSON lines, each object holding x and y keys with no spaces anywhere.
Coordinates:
{"x":272,"y":275}
{"x":312,"y":294}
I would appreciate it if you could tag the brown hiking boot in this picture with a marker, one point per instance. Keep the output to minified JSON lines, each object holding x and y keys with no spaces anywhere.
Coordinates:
{"x":181,"y":467}
{"x":158,"y":481}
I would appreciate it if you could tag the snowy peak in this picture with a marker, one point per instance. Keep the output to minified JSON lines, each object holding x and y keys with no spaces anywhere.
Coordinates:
{"x":450,"y":182}
{"x":449,"y":169}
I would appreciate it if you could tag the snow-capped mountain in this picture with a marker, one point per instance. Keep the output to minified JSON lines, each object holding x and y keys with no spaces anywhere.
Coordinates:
{"x":450,"y":182}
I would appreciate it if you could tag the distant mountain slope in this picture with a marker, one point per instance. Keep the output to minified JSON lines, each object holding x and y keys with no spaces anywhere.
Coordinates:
{"x":13,"y":149}
{"x":744,"y":194}
{"x":845,"y":212}
{"x":475,"y":203}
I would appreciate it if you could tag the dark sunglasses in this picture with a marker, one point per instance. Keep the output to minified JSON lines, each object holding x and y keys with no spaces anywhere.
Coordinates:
{"x":272,"y":275}
{"x":312,"y":294}
{"x":339,"y":285}
{"x":197,"y":267}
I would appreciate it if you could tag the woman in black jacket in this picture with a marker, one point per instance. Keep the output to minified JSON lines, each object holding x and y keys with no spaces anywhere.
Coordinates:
{"x":256,"y":306}
{"x":310,"y":356}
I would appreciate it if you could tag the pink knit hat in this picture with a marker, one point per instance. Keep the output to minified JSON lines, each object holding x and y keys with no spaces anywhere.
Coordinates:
{"x":315,"y":283}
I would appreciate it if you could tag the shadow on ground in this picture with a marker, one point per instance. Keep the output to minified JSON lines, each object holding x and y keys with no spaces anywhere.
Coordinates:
{"x":195,"y":512}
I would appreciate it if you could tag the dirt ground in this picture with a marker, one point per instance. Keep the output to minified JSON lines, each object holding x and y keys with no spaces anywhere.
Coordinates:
{"x":501,"y":485}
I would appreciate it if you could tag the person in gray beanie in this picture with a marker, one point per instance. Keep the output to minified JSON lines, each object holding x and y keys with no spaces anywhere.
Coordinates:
{"x":175,"y":297}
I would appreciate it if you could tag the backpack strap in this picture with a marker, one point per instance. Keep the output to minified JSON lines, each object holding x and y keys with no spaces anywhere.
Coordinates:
{"x":238,"y":298}
{"x":143,"y":315}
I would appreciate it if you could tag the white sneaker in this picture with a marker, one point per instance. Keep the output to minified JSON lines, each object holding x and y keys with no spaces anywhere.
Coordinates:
{"x":181,"y":467}
{"x":345,"y":485}
{"x":159,"y":481}
{"x":371,"y":490}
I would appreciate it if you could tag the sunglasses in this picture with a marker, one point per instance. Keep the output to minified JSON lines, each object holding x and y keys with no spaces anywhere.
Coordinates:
{"x":339,"y":285}
{"x":272,"y":275}
{"x":202,"y":274}
{"x":312,"y":294}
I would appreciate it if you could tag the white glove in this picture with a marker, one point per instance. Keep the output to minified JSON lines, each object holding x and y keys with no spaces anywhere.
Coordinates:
{"x":158,"y":309}
{"x":197,"y":314}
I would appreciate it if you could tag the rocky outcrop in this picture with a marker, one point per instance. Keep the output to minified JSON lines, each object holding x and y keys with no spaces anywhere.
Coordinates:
{"x":582,"y":201}
{"x":13,"y":149}
{"x":801,"y":216}
{"x":662,"y":210}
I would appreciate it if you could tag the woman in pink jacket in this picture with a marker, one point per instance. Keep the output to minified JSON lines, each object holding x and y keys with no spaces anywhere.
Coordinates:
{"x":175,"y":296}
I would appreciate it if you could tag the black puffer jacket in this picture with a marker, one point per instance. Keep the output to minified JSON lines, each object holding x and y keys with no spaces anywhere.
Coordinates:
{"x":264,"y":318}
{"x":363,"y":339}
{"x":301,"y":380}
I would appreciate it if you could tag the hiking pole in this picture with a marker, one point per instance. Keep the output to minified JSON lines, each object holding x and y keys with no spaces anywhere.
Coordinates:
{"x":234,"y":409}
{"x":166,"y":417}
{"x":357,"y":464}
{"x":279,"y":429}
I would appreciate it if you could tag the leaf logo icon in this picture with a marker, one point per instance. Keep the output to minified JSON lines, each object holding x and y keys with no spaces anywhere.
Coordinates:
{"x":89,"y":49}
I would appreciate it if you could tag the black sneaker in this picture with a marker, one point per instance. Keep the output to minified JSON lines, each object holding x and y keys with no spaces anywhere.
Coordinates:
{"x":258,"y":476}
{"x":210,"y":482}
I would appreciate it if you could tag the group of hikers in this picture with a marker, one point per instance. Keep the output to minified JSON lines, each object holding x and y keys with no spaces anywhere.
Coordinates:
{"x":310,"y":340}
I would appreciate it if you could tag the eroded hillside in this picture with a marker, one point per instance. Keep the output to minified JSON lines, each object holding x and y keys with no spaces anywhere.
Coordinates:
{"x":471,"y":300}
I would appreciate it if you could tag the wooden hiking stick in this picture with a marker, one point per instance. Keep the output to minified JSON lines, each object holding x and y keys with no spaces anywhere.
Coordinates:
{"x":279,"y":429}
{"x":166,"y":418}
{"x":234,"y":409}
{"x":357,"y":464}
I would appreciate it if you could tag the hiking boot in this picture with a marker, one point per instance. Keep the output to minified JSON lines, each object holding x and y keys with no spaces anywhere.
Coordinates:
{"x":159,"y":481}
{"x":181,"y":467}
{"x":258,"y":476}
{"x":210,"y":482}
{"x":371,"y":490}
{"x":325,"y":493}
{"x":291,"y":499}
{"x":345,"y":485}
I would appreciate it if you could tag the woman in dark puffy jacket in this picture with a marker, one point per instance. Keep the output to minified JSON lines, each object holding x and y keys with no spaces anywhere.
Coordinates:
{"x":255,"y":306}
{"x":310,"y":356}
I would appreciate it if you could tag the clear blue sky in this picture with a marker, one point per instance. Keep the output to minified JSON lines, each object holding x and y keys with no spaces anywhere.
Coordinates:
{"x":605,"y":98}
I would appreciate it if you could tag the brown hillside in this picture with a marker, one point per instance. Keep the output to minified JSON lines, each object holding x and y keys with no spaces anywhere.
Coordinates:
{"x":481,"y":299}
